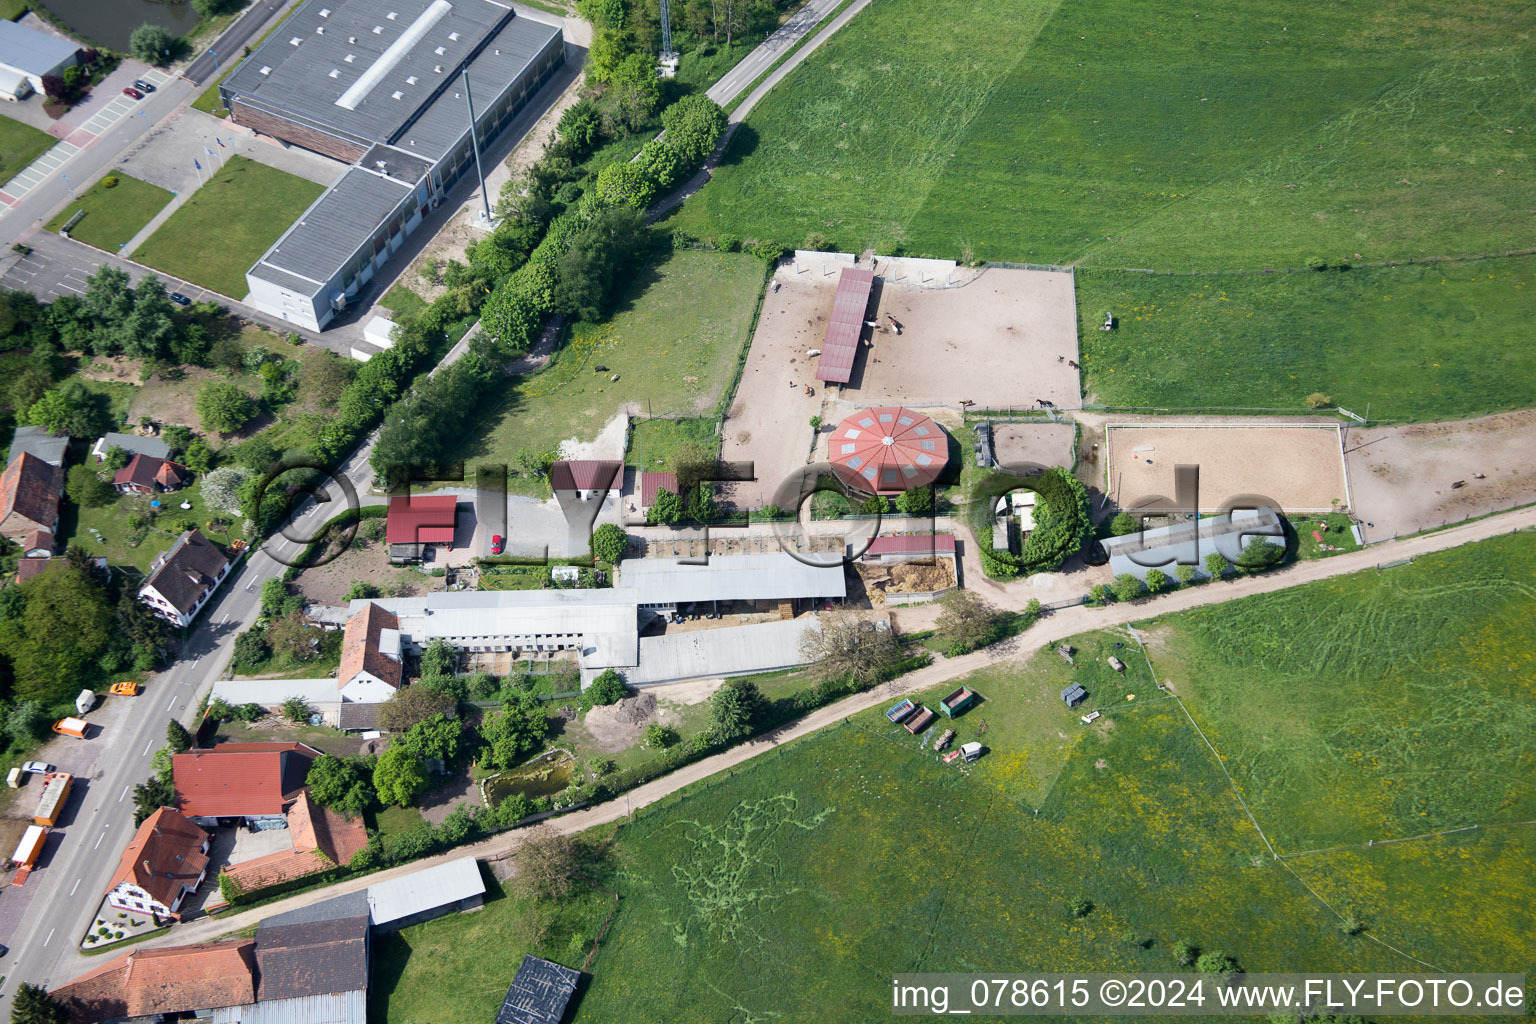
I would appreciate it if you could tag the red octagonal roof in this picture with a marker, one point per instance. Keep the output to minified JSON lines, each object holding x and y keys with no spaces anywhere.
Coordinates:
{"x":888,"y":450}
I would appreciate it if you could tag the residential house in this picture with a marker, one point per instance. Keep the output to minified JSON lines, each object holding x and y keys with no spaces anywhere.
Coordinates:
{"x":146,"y":474}
{"x":39,"y":441}
{"x":321,"y":839}
{"x":370,"y":656}
{"x":29,"y":498}
{"x":161,"y":982}
{"x":165,"y":862}
{"x":37,"y":544}
{"x":184,"y":577}
{"x":254,"y":781}
{"x":417,"y":521}
{"x":132,"y":444}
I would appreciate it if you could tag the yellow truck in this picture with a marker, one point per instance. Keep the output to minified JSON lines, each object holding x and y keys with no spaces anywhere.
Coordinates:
{"x":27,"y":852}
{"x":55,"y":795}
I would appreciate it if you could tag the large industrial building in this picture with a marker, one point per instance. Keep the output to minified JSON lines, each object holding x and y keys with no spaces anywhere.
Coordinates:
{"x":379,"y":84}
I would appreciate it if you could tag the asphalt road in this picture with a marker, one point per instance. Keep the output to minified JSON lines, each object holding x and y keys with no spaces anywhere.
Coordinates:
{"x":66,"y":891}
{"x":228,"y":48}
{"x":769,"y":50}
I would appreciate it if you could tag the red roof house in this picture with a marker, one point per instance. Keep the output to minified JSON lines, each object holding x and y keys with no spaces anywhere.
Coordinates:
{"x":169,"y":980}
{"x":146,"y":474}
{"x":240,"y":780}
{"x":650,"y":483}
{"x":418,"y":520}
{"x":29,"y":497}
{"x":845,"y":325}
{"x":370,"y":656}
{"x":321,"y":839}
{"x":164,"y":862}
{"x":586,"y":475}
{"x":888,"y":450}
{"x":895,"y":547}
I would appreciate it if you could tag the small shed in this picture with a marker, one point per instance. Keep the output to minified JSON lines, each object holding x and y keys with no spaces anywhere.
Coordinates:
{"x":957,"y":702}
{"x":540,"y":993}
{"x":1074,"y":695}
{"x":425,"y":894}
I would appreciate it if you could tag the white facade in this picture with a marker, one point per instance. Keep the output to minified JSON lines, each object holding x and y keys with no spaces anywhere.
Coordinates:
{"x":366,"y":688}
{"x":166,"y":610}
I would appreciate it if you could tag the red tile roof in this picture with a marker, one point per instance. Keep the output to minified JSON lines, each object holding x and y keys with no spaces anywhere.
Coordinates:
{"x":845,"y":325}
{"x":321,"y":839}
{"x":586,"y":475}
{"x":421,"y":519}
{"x":240,"y":779}
{"x":38,"y":539}
{"x":174,"y":979}
{"x":164,"y":854}
{"x":171,"y":475}
{"x":140,"y":472}
{"x":913,"y":544}
{"x":650,"y":483}
{"x":360,"y":646}
{"x":29,"y":495}
{"x":26,"y":568}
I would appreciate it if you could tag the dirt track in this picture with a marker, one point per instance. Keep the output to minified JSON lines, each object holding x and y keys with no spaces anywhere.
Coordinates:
{"x":1053,"y":628}
{"x":1402,"y":476}
{"x":1296,"y":465}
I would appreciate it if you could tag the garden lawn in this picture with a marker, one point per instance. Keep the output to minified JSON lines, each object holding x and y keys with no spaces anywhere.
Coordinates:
{"x":653,"y":443}
{"x":225,"y":226}
{"x":1437,"y":341}
{"x":1372,"y":706}
{"x":113,"y":215}
{"x":674,"y":341}
{"x":1104,"y":133}
{"x":20,"y":144}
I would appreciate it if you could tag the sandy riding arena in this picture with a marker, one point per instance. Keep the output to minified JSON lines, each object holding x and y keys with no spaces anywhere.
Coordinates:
{"x":1299,"y":466}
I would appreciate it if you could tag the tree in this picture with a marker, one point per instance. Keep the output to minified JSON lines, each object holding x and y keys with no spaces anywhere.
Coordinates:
{"x":289,"y":636}
{"x":438,"y":658}
{"x":514,"y":732}
{"x":70,"y":409}
{"x":1216,"y":564}
{"x":115,"y":458}
{"x":1128,"y":587}
{"x":88,"y":490}
{"x":1259,"y":553}
{"x":1099,"y":594}
{"x":198,"y":457}
{"x":661,"y":163}
{"x":437,"y":737}
{"x":296,"y":710}
{"x":597,"y":253}
{"x":221,"y":489}
{"x":635,"y":89}
{"x":1217,"y":962}
{"x":151,"y":330}
{"x":666,"y":508}
{"x":1185,"y":952}
{"x":609,"y":543}
{"x":733,"y":709}
{"x":966,"y":623}
{"x":33,"y":1005}
{"x":65,"y":626}
{"x":581,"y":126}
{"x":108,"y":298}
{"x":322,"y":380}
{"x":658,"y":736}
{"x":25,"y":722}
{"x":412,"y":704}
{"x":1124,"y":523}
{"x":1157,"y":581}
{"x":621,"y":184}
{"x":915,"y":501}
{"x":276,"y":600}
{"x":177,"y":737}
{"x":151,"y":44}
{"x":694,"y":124}
{"x":257,"y":453}
{"x":224,"y":407}
{"x":398,"y":777}
{"x":1185,"y":573}
{"x":362,"y":590}
{"x":848,"y":646}
{"x":344,"y":784}
{"x":607,"y":688}
{"x":549,"y":864}
{"x":150,"y":796}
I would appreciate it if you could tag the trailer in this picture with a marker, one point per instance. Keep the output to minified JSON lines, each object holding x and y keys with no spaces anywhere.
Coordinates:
{"x":957,"y":701}
{"x":920,"y":719}
{"x":85,"y":701}
{"x":900,"y":710}
{"x":970,"y":751}
{"x":943,"y":740}
{"x":50,"y":805}
{"x":27,"y":852}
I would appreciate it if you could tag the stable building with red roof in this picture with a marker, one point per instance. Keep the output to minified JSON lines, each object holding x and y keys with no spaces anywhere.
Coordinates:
{"x":170,"y":980}
{"x":371,"y":669}
{"x":253,"y":781}
{"x":417,"y":521}
{"x":165,"y":862}
{"x":321,"y":839}
{"x":29,"y":497}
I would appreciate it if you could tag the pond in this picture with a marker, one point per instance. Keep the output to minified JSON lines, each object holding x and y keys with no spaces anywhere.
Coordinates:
{"x":109,"y":23}
{"x":545,"y":775}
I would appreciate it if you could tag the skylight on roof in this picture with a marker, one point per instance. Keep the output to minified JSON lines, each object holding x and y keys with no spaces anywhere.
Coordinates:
{"x":325,"y":12}
{"x":453,"y":37}
{"x":349,"y":58}
{"x":391,"y":15}
{"x":439,"y":51}
{"x":319,"y":30}
{"x":398,"y":94}
{"x":378,"y":29}
{"x":335,"y":73}
{"x":295,"y":40}
{"x":266,"y":70}
{"x":410,"y":79}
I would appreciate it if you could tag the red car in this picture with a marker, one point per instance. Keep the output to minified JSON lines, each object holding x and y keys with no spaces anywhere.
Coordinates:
{"x":131,"y":91}
{"x":497,"y":543}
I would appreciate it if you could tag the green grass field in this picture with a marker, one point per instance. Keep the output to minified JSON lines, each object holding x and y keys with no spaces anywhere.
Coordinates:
{"x":674,"y":342}
{"x":652,"y":443}
{"x":1410,"y":342}
{"x":226,"y":225}
{"x":1104,"y":133}
{"x":20,"y":144}
{"x":113,"y":215}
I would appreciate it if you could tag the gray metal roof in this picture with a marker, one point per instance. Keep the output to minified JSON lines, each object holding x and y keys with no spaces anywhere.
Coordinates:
{"x":338,"y":908}
{"x":133,"y":444}
{"x":424,"y":890}
{"x":396,"y":163}
{"x":395,"y":67}
{"x":729,"y":651}
{"x":1211,"y":528}
{"x":770,"y":577}
{"x":443,"y":123}
{"x":40,"y":443}
{"x":342,"y":220}
{"x":341,"y":1008}
{"x":271,"y":692}
{"x":34,"y":52}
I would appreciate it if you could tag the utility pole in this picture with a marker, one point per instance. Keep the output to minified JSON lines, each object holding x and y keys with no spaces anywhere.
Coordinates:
{"x":668,"y":55}
{"x":474,"y":141}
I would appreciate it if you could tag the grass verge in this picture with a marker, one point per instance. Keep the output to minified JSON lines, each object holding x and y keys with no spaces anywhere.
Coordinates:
{"x":112,"y":215}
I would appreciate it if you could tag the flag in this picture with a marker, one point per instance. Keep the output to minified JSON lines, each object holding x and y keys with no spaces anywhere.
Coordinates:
{"x":220,"y":142}
{"x":208,"y":151}
{"x":196,"y":164}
